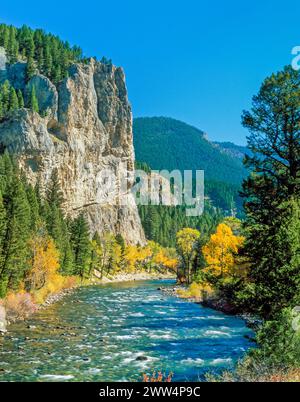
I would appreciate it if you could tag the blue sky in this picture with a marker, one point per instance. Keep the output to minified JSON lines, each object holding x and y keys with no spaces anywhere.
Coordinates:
{"x":197,"y":61}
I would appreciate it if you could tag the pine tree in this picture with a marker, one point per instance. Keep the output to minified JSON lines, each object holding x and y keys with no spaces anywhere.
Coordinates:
{"x":4,"y":36}
{"x":42,"y":51}
{"x":96,"y":254}
{"x":67,"y":258}
{"x":33,"y":102}
{"x":54,"y":194}
{"x":57,"y":225}
{"x":40,"y":59}
{"x":47,"y":60}
{"x":151,"y":223}
{"x":5,"y":95}
{"x":13,"y":99}
{"x":34,"y":208}
{"x":29,"y":45}
{"x":271,"y":191}
{"x":12,"y":46}
{"x":58,"y":230}
{"x":24,"y":218}
{"x":54,"y":224}
{"x":66,"y":252}
{"x":7,"y":170}
{"x":274,"y":279}
{"x":30,"y":68}
{"x":20,"y":98}
{"x":121,"y":242}
{"x":56,"y":73}
{"x":1,"y":109}
{"x":81,"y":246}
{"x":3,"y":226}
{"x":15,"y":260}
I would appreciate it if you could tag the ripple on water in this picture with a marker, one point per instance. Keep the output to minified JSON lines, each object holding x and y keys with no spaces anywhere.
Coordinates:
{"x":215,"y":334}
{"x":137,"y":315}
{"x":125,"y":337}
{"x":193,"y":362}
{"x":119,"y":332}
{"x":216,"y":362}
{"x":55,"y":377}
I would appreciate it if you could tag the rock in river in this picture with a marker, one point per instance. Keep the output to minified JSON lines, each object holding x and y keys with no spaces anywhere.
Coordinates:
{"x":3,"y":322}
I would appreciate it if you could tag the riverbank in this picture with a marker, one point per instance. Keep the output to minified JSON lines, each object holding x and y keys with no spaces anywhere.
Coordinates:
{"x":249,"y":369}
{"x":21,"y":306}
{"x":138,"y":276}
{"x":211,"y":301}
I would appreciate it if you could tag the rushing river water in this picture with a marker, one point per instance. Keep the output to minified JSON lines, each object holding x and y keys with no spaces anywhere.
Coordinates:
{"x":119,"y":331}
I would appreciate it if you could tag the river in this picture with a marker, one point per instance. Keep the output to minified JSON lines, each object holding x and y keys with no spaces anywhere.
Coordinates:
{"x":117,"y":332}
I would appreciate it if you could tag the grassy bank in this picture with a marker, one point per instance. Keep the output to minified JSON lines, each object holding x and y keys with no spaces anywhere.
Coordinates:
{"x":250,"y":370}
{"x":20,"y":305}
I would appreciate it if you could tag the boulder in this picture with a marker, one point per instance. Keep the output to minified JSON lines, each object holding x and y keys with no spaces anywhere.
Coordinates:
{"x":3,"y":322}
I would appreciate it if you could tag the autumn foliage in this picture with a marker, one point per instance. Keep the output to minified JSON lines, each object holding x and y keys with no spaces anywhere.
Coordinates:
{"x":157,"y":377}
{"x":151,"y":257}
{"x":186,"y":245}
{"x":211,"y":267}
{"x":221,"y":251}
{"x":19,"y":305}
{"x":44,"y":262}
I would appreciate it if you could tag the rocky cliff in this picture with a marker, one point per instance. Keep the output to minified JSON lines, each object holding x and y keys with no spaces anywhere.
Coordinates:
{"x":84,"y":126}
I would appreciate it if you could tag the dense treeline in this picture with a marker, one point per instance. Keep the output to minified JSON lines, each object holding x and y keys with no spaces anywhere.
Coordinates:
{"x":40,"y":248}
{"x":27,"y":220}
{"x":161,"y":222}
{"x":165,"y":143}
{"x":43,"y":52}
{"x":225,"y":196}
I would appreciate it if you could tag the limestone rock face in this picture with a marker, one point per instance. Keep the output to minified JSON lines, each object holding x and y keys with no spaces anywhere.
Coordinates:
{"x":87,"y":129}
{"x":46,"y":93}
{"x":15,"y":73}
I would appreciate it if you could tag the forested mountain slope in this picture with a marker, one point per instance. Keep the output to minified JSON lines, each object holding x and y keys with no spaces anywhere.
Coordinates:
{"x":166,"y":143}
{"x":233,"y":150}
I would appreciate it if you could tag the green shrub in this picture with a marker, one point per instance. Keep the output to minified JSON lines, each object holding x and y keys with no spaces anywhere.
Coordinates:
{"x":279,"y":340}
